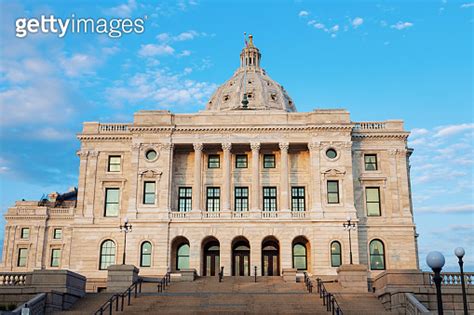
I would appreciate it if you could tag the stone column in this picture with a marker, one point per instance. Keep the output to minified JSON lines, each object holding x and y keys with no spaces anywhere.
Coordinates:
{"x":91,"y":183}
{"x":315,"y":184}
{"x":284,"y":188}
{"x":83,"y":154}
{"x":226,"y":193}
{"x":134,"y":184}
{"x":197,"y":189}
{"x":255,"y":146}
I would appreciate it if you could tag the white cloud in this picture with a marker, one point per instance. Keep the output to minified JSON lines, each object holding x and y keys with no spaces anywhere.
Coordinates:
{"x":79,"y":64}
{"x":415,"y":132}
{"x":122,"y":10}
{"x":467,"y":208}
{"x":3,"y":169}
{"x":401,"y":25}
{"x":49,"y":133}
{"x":447,"y":131}
{"x":319,"y":26}
{"x":150,"y":50}
{"x":185,"y":53}
{"x":189,"y":35}
{"x":334,"y":29}
{"x":303,"y":13}
{"x":184,"y":36}
{"x":311,"y":22}
{"x":163,"y":37}
{"x":358,"y":21}
{"x":467,"y":5}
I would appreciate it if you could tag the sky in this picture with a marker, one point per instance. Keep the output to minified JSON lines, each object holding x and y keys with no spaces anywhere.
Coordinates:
{"x":410,"y":60}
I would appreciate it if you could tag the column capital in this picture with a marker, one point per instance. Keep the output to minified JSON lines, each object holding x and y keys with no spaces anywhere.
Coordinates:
{"x":197,"y":146}
{"x":82,"y":153}
{"x":168,"y":146}
{"x":226,"y":146}
{"x":312,"y":146}
{"x":255,"y":146}
{"x":284,"y":146}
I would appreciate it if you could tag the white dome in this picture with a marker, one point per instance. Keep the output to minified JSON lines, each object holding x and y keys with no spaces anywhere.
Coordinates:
{"x":262,"y":92}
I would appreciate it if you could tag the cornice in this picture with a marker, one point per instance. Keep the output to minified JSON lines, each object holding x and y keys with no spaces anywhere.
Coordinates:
{"x":104,"y":137}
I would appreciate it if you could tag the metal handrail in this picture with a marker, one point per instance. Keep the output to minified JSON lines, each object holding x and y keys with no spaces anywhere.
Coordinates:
{"x":221,"y":274}
{"x":164,"y":282}
{"x":329,"y":300}
{"x":114,"y":299}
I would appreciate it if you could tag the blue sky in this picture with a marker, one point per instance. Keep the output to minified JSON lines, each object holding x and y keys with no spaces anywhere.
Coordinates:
{"x":379,"y":60}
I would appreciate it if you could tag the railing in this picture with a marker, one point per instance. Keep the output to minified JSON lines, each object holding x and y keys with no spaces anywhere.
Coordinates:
{"x":328,"y":298}
{"x":221,"y":274}
{"x":211,"y":215}
{"x":36,"y":305}
{"x":454,"y":278}
{"x":413,"y":306}
{"x":178,"y":215}
{"x":298,"y":214}
{"x":269,"y":214}
{"x":113,"y":128}
{"x":119,"y":299}
{"x":14,"y":279}
{"x":369,"y":125}
{"x":164,"y":282}
{"x":240,"y":214}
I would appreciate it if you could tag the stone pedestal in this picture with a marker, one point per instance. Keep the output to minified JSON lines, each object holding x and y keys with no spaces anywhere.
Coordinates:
{"x":188,"y":275}
{"x":353,"y":278}
{"x":120,"y":277}
{"x":289,"y":274}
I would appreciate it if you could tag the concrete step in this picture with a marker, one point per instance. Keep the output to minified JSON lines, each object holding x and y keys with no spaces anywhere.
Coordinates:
{"x":88,"y":304}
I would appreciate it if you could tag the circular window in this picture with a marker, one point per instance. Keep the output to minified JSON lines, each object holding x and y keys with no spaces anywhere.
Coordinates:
{"x":331,"y":153}
{"x":150,"y":155}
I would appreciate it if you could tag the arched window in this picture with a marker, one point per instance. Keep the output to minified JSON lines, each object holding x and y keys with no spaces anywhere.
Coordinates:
{"x":107,"y":254}
{"x":336,"y":259}
{"x":377,"y":255}
{"x":182,"y":257}
{"x":145,"y":254}
{"x":299,"y":256}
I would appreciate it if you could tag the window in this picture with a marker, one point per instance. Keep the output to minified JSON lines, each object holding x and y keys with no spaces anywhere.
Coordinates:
{"x":151,"y":155}
{"x":112,"y":202}
{"x":149,"y":193}
{"x":333,"y":191}
{"x":25,"y":233}
{"x":145,"y":256}
{"x":269,"y":199}
{"x":114,"y":163}
{"x":269,"y":161}
{"x":377,"y":255}
{"x":184,"y":199}
{"x":331,"y":153}
{"x":182,"y":257}
{"x":299,"y":256}
{"x":241,"y":161}
{"x":213,"y":199}
{"x":213,"y":161}
{"x":22,"y":257}
{"x":241,"y":199}
{"x":107,"y":254}
{"x":370,"y":161}
{"x":55,"y":257}
{"x":57,"y":234}
{"x":372,"y":198}
{"x":336,"y":259}
{"x":297,"y":199}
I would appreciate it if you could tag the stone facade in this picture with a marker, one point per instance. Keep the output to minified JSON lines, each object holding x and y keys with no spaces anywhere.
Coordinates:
{"x":186,"y":146}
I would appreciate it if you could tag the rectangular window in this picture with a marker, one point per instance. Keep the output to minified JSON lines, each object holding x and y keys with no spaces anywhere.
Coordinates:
{"x":269,"y":199}
{"x":55,"y":257}
{"x":269,"y":161}
{"x":241,"y":199}
{"x":22,"y":257}
{"x":372,"y":198}
{"x":213,"y":161}
{"x":57,"y":234}
{"x":112,"y":202}
{"x":25,"y":233}
{"x":333,"y":191}
{"x":149,"y":193}
{"x":185,"y":199}
{"x":114,"y":163}
{"x":213,"y":199}
{"x":370,"y":161}
{"x":241,"y":161}
{"x":297,"y":199}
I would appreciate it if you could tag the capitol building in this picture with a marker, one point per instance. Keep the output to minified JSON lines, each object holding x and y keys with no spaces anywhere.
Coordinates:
{"x":248,"y":183}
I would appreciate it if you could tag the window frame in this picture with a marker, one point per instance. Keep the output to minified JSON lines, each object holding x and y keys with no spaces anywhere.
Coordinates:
{"x":188,"y":200}
{"x":367,"y":202}
{"x":371,"y":163}
{"x":371,"y":255}
{"x":109,"y":164}
{"x":293,"y":255}
{"x":213,"y":156}
{"x":337,"y":192}
{"x":143,"y":254}
{"x":300,"y":200}
{"x":335,"y":254}
{"x":145,"y":193}
{"x":243,"y":199}
{"x":55,"y":234}
{"x":178,"y":256}
{"x":22,"y":258}
{"x":55,"y":259}
{"x":102,"y":255}
{"x":270,"y":198}
{"x":106,"y":202}
{"x":237,"y":156}
{"x":22,"y":233}
{"x":215,"y":200}
{"x":265,"y":157}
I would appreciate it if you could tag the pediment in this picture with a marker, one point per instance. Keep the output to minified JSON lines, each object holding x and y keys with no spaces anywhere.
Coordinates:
{"x":333,"y":172}
{"x":150,"y":173}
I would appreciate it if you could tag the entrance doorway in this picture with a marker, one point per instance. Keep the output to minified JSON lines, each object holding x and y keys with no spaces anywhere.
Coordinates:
{"x":211,"y":258}
{"x":241,"y":258}
{"x":270,"y":258}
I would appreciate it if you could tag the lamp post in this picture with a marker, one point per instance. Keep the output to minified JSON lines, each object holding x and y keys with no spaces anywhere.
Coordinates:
{"x":125,"y":228}
{"x":435,"y":260}
{"x":459,"y":252}
{"x":348,"y":226}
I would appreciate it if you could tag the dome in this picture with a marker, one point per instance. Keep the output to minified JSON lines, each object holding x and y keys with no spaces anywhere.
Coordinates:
{"x":250,"y":88}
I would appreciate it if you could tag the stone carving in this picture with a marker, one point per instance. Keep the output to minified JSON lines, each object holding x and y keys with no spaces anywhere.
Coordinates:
{"x":313,"y":146}
{"x":226,"y":146}
{"x":284,"y":146}
{"x":333,"y":172}
{"x":150,"y":174}
{"x":197,"y":146}
{"x":255,"y":146}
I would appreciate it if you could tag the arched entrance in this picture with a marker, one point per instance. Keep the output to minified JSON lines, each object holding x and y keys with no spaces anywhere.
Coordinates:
{"x":301,"y":253}
{"x":240,"y":257}
{"x":211,"y":257}
{"x":180,"y":253}
{"x":270,"y":257}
